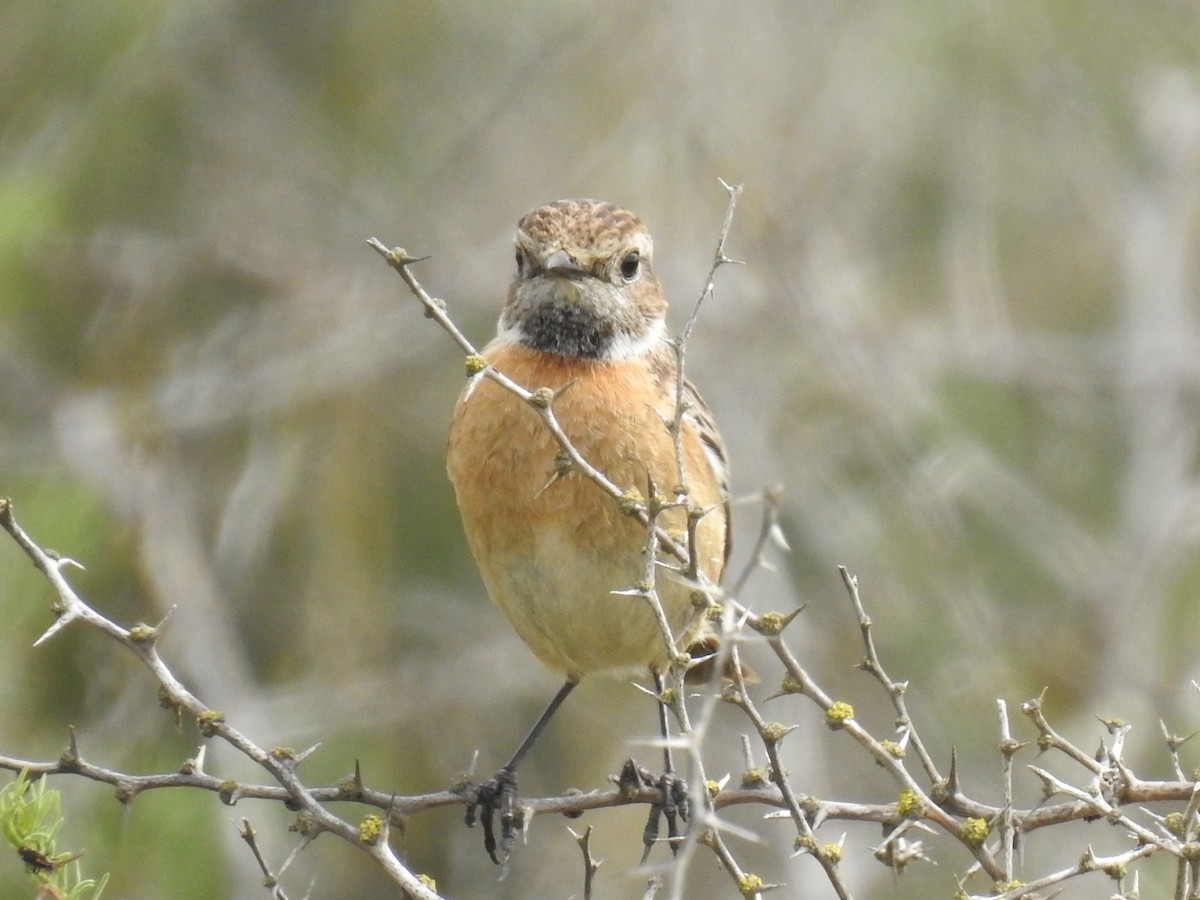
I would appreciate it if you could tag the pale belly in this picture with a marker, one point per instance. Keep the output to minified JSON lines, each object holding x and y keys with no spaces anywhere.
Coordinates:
{"x":560,"y":599}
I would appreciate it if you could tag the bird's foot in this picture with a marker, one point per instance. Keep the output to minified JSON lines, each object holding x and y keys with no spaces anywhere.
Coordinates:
{"x":672,"y":804}
{"x":498,"y":793}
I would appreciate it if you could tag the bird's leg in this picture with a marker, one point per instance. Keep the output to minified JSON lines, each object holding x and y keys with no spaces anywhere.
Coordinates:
{"x":674,"y":804}
{"x":500,"y":791}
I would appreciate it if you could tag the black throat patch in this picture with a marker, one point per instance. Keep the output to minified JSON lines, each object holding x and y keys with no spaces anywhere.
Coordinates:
{"x":567,"y":329}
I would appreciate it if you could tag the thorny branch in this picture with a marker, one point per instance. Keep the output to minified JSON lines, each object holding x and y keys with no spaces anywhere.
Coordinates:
{"x":142,"y":641}
{"x":1120,"y":788}
{"x":679,"y":344}
{"x":925,"y":798}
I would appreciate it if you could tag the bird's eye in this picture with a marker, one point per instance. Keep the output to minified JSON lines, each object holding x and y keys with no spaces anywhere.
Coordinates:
{"x":629,"y":265}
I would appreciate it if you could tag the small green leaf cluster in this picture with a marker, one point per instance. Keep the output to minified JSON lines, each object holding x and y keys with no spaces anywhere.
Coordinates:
{"x":29,"y":820}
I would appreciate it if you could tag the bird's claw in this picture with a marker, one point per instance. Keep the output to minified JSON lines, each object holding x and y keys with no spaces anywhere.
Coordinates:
{"x":674,"y":806}
{"x":497,"y":793}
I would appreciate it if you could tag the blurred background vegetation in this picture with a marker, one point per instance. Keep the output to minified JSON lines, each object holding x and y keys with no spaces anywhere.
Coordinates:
{"x":966,"y":343}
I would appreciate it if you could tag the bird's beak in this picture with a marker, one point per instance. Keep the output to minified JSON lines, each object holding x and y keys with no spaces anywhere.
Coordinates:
{"x":560,"y":262}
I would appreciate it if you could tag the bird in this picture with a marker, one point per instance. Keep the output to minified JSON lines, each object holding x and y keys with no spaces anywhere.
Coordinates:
{"x":585,"y":317}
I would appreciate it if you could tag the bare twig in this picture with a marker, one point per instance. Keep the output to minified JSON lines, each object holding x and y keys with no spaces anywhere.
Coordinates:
{"x":895,"y":689}
{"x":680,"y":342}
{"x":590,"y":863}
{"x":1008,"y":749}
{"x":247,"y":834}
{"x":141,"y":639}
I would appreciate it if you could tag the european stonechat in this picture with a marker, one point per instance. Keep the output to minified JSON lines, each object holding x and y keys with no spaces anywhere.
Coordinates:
{"x":585,"y":317}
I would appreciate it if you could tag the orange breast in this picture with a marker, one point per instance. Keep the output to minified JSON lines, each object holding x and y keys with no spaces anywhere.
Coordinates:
{"x":552,"y":553}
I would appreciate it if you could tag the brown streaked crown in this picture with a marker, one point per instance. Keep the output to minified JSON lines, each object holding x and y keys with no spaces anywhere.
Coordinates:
{"x":580,"y":223}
